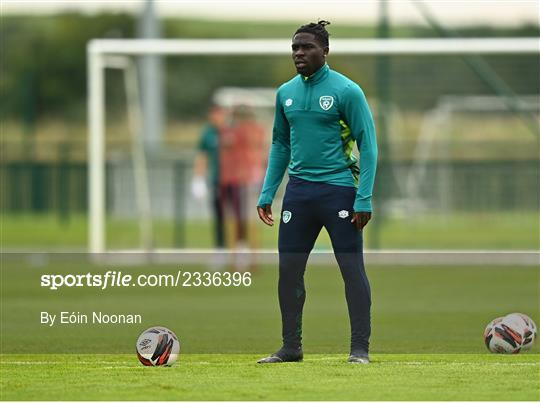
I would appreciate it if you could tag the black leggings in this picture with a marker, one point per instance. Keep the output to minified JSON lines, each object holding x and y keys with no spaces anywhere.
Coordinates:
{"x":219,"y":224}
{"x":235,"y":197}
{"x":307,"y":207}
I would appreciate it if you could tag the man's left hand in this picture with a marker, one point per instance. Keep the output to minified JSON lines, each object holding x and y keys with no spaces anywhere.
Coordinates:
{"x":360,"y":219}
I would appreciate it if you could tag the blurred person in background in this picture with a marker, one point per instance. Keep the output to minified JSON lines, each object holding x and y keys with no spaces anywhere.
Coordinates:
{"x":320,"y":114}
{"x":207,"y":170}
{"x":251,"y":152}
{"x":253,"y":133}
{"x":241,"y":169}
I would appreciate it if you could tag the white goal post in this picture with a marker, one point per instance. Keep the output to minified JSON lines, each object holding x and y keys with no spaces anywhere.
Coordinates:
{"x":105,"y":53}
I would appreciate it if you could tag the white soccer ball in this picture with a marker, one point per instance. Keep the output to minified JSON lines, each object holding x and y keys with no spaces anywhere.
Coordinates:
{"x":488,"y":332}
{"x":158,"y":346}
{"x":530,"y":333}
{"x":505,"y":335}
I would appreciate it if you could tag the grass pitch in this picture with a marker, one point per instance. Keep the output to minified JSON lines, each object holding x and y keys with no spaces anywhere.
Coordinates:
{"x":237,"y":377}
{"x":487,"y":230}
{"x":426,"y":340}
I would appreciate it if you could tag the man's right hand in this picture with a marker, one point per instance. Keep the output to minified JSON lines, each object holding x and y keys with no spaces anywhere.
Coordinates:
{"x":265,"y":214}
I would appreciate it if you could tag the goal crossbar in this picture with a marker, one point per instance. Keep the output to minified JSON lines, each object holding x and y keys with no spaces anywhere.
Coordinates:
{"x":339,"y":46}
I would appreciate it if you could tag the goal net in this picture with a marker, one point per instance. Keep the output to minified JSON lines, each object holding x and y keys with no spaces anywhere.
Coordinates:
{"x":458,"y":164}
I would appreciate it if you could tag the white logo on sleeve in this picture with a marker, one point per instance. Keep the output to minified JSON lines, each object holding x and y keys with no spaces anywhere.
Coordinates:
{"x":286,"y":216}
{"x":343,"y":214}
{"x":326,"y":102}
{"x":288,"y":102}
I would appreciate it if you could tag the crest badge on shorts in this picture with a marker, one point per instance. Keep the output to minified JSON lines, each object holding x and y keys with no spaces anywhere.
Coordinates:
{"x":326,"y":102}
{"x":286,"y":216}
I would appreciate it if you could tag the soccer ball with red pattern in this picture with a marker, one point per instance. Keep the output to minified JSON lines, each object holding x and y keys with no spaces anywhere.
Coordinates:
{"x":510,"y":334}
{"x":531,"y":331}
{"x":158,"y":346}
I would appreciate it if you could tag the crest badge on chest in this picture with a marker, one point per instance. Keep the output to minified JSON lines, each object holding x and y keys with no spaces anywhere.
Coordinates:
{"x":326,"y":102}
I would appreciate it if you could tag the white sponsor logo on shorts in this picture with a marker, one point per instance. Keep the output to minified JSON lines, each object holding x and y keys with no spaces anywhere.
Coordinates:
{"x":343,"y":214}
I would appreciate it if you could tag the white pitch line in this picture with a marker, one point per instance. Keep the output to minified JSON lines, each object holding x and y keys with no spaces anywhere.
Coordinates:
{"x":121,"y":367}
{"x":111,"y":364}
{"x":98,"y":364}
{"x":462,"y":363}
{"x":412,"y":364}
{"x":57,"y":362}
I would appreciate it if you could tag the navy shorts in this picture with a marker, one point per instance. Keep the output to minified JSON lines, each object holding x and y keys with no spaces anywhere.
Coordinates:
{"x":309,"y":206}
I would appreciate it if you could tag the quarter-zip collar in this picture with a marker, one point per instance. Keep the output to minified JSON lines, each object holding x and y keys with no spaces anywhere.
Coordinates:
{"x":318,"y":76}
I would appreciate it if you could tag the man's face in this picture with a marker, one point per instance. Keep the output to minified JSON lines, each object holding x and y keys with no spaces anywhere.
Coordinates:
{"x":217,"y":117}
{"x":308,"y":53}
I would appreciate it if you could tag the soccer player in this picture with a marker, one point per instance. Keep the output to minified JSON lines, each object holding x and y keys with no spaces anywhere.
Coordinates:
{"x":207,"y":162}
{"x":319,"y":116}
{"x":243,"y":165}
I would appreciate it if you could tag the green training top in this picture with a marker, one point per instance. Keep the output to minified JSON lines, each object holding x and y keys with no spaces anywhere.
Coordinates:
{"x":209,"y":143}
{"x":317,"y":121}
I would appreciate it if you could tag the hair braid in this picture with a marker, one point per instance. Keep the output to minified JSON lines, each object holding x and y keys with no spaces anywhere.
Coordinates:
{"x":318,"y":29}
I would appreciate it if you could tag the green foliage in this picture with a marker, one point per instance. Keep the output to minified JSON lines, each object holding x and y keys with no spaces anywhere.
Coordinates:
{"x":44,"y":63}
